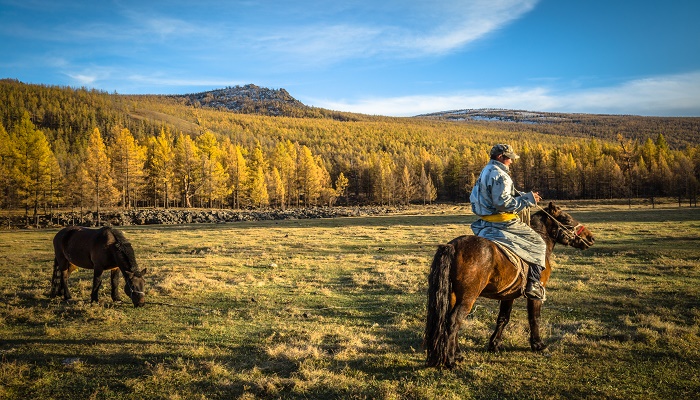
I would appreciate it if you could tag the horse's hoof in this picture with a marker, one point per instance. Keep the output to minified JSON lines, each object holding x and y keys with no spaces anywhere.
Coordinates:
{"x":539,"y":346}
{"x":495,"y":348}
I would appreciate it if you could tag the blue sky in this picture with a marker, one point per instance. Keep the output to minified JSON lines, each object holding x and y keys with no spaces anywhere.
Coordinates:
{"x":384,"y":57}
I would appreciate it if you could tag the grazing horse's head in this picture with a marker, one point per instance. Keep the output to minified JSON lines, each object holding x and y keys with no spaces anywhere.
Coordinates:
{"x":135,"y":284}
{"x":569,"y":231}
{"x":135,"y":287}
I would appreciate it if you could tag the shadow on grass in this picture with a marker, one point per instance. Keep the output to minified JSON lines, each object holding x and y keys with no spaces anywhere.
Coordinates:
{"x":380,"y":221}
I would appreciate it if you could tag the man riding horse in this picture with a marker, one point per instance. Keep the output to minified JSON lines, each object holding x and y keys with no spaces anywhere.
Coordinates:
{"x":494,"y":200}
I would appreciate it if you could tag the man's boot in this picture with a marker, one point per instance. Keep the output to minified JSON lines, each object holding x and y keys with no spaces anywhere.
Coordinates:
{"x":534,"y":289}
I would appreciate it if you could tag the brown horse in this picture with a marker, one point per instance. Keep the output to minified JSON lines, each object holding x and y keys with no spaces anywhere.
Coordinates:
{"x":100,"y":250}
{"x":470,"y":266}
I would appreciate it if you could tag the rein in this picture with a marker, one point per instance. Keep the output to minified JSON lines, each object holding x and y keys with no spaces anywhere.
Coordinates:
{"x":568,"y":230}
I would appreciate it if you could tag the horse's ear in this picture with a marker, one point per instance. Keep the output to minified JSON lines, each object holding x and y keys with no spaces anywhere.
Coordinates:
{"x":129,"y":274}
{"x":143,"y":271}
{"x":554,"y":210}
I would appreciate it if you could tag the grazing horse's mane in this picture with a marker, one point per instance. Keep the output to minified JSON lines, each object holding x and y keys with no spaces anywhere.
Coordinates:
{"x":118,"y":235}
{"x":124,"y":248}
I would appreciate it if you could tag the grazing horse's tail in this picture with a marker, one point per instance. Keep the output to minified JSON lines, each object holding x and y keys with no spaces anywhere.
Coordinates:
{"x":55,"y":279}
{"x":436,"y":336}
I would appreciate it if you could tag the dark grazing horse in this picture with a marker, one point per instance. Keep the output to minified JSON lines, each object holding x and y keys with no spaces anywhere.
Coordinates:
{"x":100,"y":250}
{"x":470,"y":266}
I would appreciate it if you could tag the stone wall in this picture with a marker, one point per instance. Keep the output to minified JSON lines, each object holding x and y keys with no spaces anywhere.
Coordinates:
{"x":177,"y":216}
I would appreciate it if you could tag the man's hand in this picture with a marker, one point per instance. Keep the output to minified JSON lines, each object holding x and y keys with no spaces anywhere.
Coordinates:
{"x":537,"y":197}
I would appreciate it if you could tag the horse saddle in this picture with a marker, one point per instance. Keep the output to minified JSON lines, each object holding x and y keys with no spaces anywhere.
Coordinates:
{"x":519,"y":263}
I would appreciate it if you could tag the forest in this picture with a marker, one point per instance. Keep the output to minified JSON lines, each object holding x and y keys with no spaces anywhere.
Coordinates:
{"x":63,"y":147}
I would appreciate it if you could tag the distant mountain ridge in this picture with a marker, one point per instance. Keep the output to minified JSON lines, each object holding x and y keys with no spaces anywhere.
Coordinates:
{"x":680,"y":132}
{"x":500,"y":114}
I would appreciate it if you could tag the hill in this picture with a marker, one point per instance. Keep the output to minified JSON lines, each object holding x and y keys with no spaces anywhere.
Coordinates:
{"x":680,"y":132}
{"x":249,"y":99}
{"x":252,"y":99}
{"x":216,"y":145}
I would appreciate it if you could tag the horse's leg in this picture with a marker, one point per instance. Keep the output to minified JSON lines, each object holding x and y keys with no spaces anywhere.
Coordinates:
{"x":459,"y":311}
{"x":115,"y":284}
{"x":66,"y":270}
{"x":96,"y":283}
{"x":503,"y":317}
{"x":533,"y":317}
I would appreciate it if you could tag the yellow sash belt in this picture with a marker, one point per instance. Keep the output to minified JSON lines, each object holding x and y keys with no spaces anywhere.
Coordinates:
{"x":499,"y":217}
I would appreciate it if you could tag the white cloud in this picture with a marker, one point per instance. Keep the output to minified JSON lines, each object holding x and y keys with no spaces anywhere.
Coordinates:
{"x":428,"y":28}
{"x":662,"y":95}
{"x":91,"y":76}
{"x":83,"y":79}
{"x":469,"y":22}
{"x":325,"y":44}
{"x":673,"y":95}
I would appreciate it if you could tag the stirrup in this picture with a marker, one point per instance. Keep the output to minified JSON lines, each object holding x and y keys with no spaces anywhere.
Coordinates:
{"x":535,"y":291}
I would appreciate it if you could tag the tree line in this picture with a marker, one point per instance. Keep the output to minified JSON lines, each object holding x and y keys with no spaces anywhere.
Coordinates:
{"x":166,"y":170}
{"x":62,"y":147}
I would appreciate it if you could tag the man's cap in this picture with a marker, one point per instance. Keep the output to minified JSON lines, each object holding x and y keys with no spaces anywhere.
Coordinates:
{"x":504,"y":149}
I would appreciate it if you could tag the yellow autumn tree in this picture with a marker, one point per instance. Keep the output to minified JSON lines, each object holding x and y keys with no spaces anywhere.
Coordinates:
{"x":7,"y":167}
{"x":428,"y":191}
{"x":406,"y":185}
{"x":257,"y":185}
{"x":128,"y":159}
{"x":277,"y":186}
{"x":341,"y":185}
{"x":35,"y":165}
{"x":284,"y":159}
{"x":161,"y":166}
{"x":214,"y":177}
{"x":97,"y":170}
{"x":235,"y":165}
{"x":187,"y":168}
{"x":309,"y":176}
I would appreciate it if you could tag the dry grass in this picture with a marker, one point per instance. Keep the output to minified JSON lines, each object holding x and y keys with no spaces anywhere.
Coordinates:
{"x":335,"y":309}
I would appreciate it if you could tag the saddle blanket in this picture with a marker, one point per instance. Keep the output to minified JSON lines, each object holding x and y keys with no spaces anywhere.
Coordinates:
{"x":520,"y":265}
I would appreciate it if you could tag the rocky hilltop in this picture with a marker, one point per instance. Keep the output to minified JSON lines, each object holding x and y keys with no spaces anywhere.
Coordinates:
{"x":246,"y":99}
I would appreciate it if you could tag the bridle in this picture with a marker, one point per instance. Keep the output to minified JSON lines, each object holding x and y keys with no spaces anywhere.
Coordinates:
{"x":571,"y":232}
{"x":118,"y":245}
{"x":131,"y":288}
{"x":568,"y":231}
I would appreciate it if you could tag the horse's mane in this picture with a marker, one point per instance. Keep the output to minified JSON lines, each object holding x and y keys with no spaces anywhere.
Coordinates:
{"x":537,"y":221}
{"x":124,"y":247}
{"x":118,"y":236}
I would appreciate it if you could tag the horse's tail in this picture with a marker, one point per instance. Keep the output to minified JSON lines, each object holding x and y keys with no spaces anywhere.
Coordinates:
{"x":435,"y":340}
{"x":55,"y":279}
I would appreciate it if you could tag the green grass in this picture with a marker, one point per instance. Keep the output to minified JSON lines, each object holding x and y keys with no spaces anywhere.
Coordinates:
{"x":335,"y":308}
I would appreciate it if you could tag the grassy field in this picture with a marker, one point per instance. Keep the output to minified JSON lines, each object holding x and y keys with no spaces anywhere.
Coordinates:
{"x":335,"y":308}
